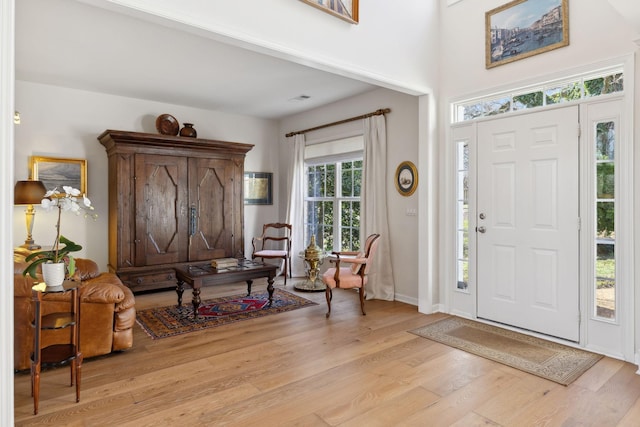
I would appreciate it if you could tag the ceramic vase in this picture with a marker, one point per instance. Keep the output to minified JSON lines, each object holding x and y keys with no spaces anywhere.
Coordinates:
{"x":53,"y":273}
{"x":188,"y":130}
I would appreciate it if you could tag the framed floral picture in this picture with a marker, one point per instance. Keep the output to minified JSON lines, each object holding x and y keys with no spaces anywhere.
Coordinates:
{"x":59,"y":172}
{"x":343,"y":9}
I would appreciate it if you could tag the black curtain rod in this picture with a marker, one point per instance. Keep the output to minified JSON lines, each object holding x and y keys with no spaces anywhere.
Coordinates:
{"x":364,"y":116}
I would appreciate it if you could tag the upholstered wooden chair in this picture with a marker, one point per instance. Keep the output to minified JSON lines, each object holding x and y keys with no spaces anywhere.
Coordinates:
{"x":354,"y":274}
{"x":275,"y":243}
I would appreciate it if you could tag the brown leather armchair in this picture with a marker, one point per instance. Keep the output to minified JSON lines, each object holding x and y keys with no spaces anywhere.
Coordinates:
{"x":107,"y":312}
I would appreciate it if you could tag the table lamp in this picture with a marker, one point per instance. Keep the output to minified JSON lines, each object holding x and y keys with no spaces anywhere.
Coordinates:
{"x":29,"y":193}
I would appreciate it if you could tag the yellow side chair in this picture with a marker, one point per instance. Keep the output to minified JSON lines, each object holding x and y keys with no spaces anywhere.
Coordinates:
{"x":354,"y":275}
{"x":275,"y":243}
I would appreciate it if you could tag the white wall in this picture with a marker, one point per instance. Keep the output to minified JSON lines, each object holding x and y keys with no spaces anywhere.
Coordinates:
{"x":62,"y":122}
{"x":394,"y":44}
{"x":402,"y":144}
{"x":597,"y":32}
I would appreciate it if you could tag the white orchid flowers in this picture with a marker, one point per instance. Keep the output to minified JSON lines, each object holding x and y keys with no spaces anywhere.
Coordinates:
{"x":67,"y":202}
{"x":72,"y":201}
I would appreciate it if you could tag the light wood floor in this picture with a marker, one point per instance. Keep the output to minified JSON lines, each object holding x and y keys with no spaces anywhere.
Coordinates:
{"x":300,"y":369}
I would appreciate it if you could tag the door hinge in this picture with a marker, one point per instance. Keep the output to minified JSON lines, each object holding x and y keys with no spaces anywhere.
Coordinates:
{"x":579,"y":223}
{"x":579,"y":131}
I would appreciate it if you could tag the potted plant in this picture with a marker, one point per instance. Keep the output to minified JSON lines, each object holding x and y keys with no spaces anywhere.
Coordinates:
{"x":57,"y":261}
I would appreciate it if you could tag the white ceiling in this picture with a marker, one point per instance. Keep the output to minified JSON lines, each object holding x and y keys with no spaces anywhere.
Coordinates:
{"x":71,"y":44}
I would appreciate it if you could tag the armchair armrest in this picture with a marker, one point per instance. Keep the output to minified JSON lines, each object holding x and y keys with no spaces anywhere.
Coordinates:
{"x":103,"y":289}
{"x":343,"y":253}
{"x":254,"y":241}
{"x":85,"y":269}
{"x":354,"y":258}
{"x":22,"y":285}
{"x":351,"y":256}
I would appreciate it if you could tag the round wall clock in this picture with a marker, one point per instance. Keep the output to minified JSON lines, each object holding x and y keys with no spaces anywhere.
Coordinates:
{"x":406,"y":178}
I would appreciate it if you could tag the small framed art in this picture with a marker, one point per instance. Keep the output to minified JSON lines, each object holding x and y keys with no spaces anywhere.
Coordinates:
{"x":406,"y":178}
{"x":57,"y":172}
{"x":258,"y":188}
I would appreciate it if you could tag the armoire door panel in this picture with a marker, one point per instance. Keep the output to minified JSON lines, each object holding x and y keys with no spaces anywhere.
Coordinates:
{"x":161,"y":214}
{"x":211,"y":195}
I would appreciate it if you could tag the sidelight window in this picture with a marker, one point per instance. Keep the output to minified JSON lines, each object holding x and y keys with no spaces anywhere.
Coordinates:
{"x":462,"y":215}
{"x":605,"y":233}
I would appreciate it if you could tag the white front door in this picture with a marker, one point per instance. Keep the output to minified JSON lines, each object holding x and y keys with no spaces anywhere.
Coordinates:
{"x":527,"y":222}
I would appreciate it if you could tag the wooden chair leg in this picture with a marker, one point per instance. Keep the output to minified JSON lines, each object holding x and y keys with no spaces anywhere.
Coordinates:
{"x":78,"y":375}
{"x":361,"y":292}
{"x":329,"y":296}
{"x":284,"y":270}
{"x":35,"y":391}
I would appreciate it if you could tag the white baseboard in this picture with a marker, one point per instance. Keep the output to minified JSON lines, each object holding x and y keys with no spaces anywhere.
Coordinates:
{"x":405,"y":299}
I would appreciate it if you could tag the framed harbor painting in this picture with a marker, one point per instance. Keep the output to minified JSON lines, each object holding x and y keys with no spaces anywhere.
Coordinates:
{"x":343,"y":9}
{"x":57,"y":172}
{"x":523,"y":28}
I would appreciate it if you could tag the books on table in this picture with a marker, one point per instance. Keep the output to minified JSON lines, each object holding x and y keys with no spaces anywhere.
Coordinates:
{"x":219,"y":263}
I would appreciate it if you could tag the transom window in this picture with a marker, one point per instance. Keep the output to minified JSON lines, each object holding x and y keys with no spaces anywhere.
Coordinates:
{"x":554,"y":92}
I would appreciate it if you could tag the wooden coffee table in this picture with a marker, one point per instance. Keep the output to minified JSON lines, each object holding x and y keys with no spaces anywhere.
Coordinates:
{"x":198,"y":275}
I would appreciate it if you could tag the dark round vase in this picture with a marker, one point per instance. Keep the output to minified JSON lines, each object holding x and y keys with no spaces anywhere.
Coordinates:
{"x":188,"y":130}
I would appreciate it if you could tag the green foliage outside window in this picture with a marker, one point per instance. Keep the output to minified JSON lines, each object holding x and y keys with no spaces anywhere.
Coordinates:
{"x":332,"y":218}
{"x":604,"y":85}
{"x":528,"y":100}
{"x":605,"y":179}
{"x":569,"y":92}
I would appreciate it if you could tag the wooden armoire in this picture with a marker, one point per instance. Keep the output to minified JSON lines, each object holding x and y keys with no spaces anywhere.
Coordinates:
{"x":172,"y":200}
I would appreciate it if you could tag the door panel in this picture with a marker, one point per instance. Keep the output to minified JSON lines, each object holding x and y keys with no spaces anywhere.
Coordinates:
{"x":161,"y":216}
{"x":211,"y":197}
{"x":528,"y":240}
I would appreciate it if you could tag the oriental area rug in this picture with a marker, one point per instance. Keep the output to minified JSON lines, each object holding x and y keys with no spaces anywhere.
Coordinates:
{"x":162,"y":322}
{"x":546,"y":359}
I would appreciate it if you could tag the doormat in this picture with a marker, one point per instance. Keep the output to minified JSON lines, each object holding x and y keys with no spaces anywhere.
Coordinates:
{"x":163,"y":322}
{"x":556,"y":362}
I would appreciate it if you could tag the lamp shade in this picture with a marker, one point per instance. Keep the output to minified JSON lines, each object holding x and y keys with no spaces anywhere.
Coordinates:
{"x":28,"y":192}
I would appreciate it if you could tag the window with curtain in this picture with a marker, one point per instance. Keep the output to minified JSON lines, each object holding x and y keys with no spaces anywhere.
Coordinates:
{"x":333,"y":187}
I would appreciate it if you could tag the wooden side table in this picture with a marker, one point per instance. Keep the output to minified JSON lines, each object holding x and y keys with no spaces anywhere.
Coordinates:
{"x":56,"y":354}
